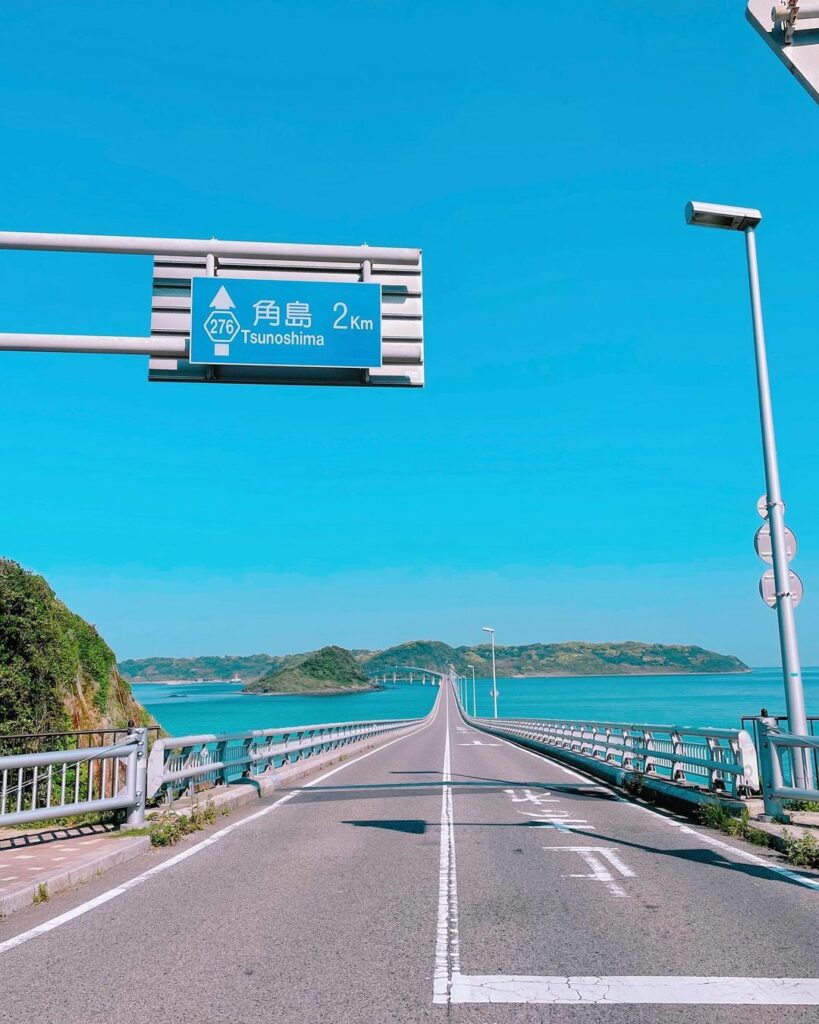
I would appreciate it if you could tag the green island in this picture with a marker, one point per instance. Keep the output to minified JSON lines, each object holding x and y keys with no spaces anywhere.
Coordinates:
{"x":332,"y":670}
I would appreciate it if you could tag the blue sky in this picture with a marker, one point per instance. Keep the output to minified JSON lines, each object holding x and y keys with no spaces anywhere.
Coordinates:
{"x":584,"y":462}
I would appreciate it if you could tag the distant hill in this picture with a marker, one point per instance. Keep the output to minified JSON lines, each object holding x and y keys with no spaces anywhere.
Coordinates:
{"x":429,"y":654}
{"x":56,"y":672}
{"x":563,"y":659}
{"x":573,"y":658}
{"x":208,"y":668}
{"x":576,"y":658}
{"x":331,"y":670}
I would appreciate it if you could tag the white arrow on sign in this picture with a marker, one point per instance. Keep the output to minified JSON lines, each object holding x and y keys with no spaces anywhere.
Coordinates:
{"x":222,"y":300}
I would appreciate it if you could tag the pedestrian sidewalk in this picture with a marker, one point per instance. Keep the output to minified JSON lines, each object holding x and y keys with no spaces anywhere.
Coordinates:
{"x":36,"y":865}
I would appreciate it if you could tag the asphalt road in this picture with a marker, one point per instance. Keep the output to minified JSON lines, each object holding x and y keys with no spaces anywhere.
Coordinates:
{"x":417,"y":882}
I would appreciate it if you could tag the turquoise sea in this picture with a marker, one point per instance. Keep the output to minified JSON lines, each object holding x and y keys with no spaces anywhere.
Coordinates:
{"x":694,"y":700}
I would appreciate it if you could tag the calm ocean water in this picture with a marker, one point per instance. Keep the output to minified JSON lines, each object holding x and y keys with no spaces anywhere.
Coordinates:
{"x":664,"y":700}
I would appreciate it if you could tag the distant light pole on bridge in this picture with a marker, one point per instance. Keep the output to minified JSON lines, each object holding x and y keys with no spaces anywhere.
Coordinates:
{"x":474,"y":703}
{"x":737,"y":218}
{"x":491,"y":630}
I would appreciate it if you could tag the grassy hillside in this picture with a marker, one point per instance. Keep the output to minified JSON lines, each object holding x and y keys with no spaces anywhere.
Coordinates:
{"x":586,"y":659}
{"x":56,"y":671}
{"x":429,"y":654}
{"x":563,"y":659}
{"x":330,"y":670}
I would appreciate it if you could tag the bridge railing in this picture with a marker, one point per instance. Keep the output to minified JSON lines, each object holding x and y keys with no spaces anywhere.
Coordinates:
{"x":76,"y":739}
{"x":51,"y":784}
{"x":179,"y":763}
{"x":778,"y":750}
{"x":721,"y":760}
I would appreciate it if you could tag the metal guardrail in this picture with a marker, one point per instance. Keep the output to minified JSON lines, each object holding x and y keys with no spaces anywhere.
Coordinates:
{"x":723,"y":760}
{"x":77,"y":739}
{"x":751,"y":723}
{"x":64,"y":783}
{"x":777,"y":751}
{"x":179,"y":763}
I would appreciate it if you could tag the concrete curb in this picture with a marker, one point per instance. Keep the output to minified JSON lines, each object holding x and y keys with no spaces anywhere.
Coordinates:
{"x":58,"y":880}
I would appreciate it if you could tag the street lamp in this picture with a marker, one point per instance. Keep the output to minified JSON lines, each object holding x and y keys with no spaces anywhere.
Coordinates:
{"x":738,"y":218}
{"x":494,"y":694}
{"x":474,"y":703}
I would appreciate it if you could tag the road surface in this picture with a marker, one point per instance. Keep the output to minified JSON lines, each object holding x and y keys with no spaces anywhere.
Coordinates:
{"x":444,"y":876}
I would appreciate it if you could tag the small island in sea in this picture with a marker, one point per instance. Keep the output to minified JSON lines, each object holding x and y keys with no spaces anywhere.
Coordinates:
{"x":332,"y":670}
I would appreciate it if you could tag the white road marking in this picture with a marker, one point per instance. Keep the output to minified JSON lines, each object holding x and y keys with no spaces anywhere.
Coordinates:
{"x":592,"y":856}
{"x":752,"y":858}
{"x":488,"y":988}
{"x":105,"y":897}
{"x":453,"y":987}
{"x":529,"y":797}
{"x":478,"y":743}
{"x":600,"y":873}
{"x":447,"y":962}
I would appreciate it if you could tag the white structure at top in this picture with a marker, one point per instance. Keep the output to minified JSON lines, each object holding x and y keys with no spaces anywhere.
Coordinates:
{"x":791,"y":29}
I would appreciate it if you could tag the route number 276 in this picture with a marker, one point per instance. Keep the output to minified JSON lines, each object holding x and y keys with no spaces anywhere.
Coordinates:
{"x":346,"y":321}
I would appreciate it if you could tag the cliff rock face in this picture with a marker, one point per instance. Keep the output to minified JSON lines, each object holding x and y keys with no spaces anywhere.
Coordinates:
{"x":56,"y":671}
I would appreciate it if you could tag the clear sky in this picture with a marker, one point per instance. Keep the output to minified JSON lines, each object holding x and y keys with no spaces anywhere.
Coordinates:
{"x":584,"y":462}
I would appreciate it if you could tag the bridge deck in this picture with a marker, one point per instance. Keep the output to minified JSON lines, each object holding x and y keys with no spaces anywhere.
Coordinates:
{"x":447,"y":875}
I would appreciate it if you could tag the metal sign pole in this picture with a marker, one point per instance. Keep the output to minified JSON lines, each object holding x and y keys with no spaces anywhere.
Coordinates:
{"x":794,"y":692}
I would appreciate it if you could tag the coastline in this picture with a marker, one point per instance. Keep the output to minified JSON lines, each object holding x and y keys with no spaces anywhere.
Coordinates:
{"x":617,"y":675}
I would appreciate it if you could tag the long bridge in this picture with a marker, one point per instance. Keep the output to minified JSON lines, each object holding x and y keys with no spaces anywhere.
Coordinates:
{"x":407,"y":674}
{"x":444,"y":870}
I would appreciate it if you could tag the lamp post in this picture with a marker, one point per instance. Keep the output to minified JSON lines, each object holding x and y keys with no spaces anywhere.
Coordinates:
{"x":474,"y":703}
{"x":494,"y":694}
{"x":735,"y":218}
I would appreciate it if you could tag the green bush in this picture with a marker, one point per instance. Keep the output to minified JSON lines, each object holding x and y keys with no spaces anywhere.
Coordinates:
{"x":802,"y":851}
{"x":168,"y":828}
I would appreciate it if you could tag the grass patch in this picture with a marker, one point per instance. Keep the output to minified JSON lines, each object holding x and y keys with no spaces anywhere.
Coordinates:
{"x":803,"y":851}
{"x":717,"y":816}
{"x":802,"y":805}
{"x":41,"y":894}
{"x":168,"y":828}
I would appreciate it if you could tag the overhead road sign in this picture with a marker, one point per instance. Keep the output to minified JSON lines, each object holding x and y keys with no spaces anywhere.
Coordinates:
{"x":791,"y":29}
{"x":292,"y":323}
{"x":347,"y":315}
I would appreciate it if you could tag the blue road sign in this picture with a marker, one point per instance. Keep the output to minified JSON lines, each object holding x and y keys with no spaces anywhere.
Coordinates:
{"x":258,"y":322}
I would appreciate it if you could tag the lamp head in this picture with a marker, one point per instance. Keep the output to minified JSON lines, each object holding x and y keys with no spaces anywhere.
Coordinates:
{"x":715,"y":215}
{"x":488,"y":629}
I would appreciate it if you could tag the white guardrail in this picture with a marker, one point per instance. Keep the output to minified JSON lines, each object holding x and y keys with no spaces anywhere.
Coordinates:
{"x":178,"y":763}
{"x":777,"y":751}
{"x":63,"y":783}
{"x":720,"y":760}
